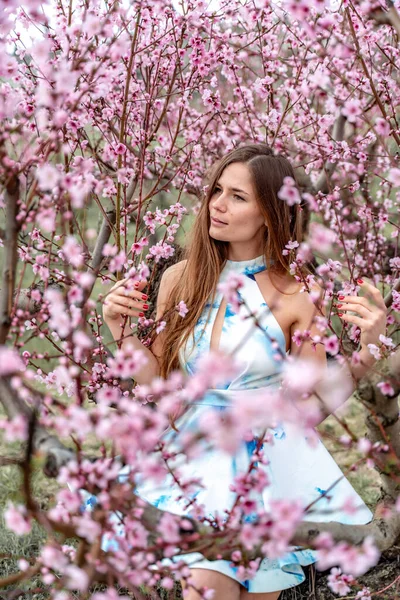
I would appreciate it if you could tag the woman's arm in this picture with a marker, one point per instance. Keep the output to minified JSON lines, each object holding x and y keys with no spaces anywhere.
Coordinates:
{"x":119,"y":302}
{"x":372,"y":323}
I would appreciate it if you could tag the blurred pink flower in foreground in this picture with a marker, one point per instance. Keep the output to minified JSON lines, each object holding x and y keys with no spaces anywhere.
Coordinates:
{"x":289,"y":192}
{"x":10,"y":362}
{"x":16,"y":519}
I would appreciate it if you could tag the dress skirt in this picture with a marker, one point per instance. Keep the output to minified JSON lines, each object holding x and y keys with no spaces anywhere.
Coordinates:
{"x":296,"y":470}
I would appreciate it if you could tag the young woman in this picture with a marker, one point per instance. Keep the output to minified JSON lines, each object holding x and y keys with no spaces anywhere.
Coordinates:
{"x":242,"y":227}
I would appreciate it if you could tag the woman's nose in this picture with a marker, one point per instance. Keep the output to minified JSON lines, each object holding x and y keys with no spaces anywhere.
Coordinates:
{"x":219,"y":202}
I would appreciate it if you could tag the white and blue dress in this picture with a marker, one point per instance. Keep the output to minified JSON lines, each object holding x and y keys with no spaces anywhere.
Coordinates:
{"x":295,"y":469}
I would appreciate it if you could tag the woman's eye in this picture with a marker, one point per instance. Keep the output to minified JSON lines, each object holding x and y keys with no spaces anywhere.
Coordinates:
{"x":238,"y":197}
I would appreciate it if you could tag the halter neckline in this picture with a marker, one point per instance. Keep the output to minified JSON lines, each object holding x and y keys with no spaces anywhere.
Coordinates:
{"x":249,"y":266}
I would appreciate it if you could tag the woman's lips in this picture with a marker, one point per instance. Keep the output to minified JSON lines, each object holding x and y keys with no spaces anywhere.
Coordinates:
{"x":217,"y":223}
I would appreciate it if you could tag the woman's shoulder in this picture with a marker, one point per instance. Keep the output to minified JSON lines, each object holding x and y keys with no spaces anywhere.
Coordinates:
{"x":175,"y":270}
{"x":306,"y":303}
{"x":299,"y":301}
{"x":290,"y":285}
{"x":172,"y":274}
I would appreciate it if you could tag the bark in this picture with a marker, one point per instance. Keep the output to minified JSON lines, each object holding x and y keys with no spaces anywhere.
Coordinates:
{"x":10,"y":256}
{"x":103,"y":237}
{"x":338,"y":136}
{"x":383,"y":422}
{"x":390,"y":16}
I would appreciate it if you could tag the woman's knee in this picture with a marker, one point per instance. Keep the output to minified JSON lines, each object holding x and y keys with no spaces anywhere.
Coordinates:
{"x":225,"y":587}
{"x":266,"y":596}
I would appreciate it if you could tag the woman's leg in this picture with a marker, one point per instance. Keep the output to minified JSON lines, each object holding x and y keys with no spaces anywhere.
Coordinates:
{"x":225,"y":587}
{"x":244,"y":595}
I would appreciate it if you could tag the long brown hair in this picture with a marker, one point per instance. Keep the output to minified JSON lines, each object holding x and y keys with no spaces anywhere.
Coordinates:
{"x":205,"y":256}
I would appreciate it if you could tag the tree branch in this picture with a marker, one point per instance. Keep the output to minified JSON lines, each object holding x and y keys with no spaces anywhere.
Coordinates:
{"x":10,"y":256}
{"x":337,"y":136}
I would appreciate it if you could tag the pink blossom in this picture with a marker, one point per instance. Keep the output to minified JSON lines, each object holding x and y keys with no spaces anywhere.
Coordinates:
{"x":351,"y":559}
{"x":331,"y":344}
{"x":17,"y":520}
{"x":75,"y":294}
{"x":290,"y":246}
{"x":182,"y":309}
{"x":168,"y":527}
{"x":72,"y":252}
{"x":364,"y":445}
{"x":363,"y":594}
{"x":321,"y":238}
{"x":46,"y":219}
{"x":324,"y":541}
{"x":53,"y":558}
{"x":118,"y":262}
{"x":212,"y":369}
{"x":297,"y":337}
{"x":386,"y":388}
{"x":109,"y":594}
{"x":349,"y":506}
{"x":48,"y":177}
{"x":161,"y":326}
{"x":76,"y":578}
{"x":137,"y":247}
{"x":229,"y":289}
{"x":289,"y":192}
{"x":59,"y":319}
{"x":23,"y":564}
{"x":338,"y":582}
{"x":85,"y":280}
{"x":120,"y":149}
{"x":382,"y":126}
{"x":16,"y":429}
{"x":82,"y":342}
{"x":126,"y":362}
{"x":386,"y":341}
{"x":394,"y":177}
{"x":10,"y":362}
{"x":374,"y":350}
{"x":109,"y":250}
{"x":87,"y":528}
{"x":161,"y":250}
{"x":351,"y":110}
{"x":249,"y":535}
{"x":167,"y":583}
{"x":300,"y":376}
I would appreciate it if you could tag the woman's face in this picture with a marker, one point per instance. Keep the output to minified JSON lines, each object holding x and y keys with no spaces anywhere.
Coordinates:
{"x":235,"y":214}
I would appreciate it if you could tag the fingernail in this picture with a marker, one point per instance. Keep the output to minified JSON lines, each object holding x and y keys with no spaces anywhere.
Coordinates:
{"x":141,"y":314}
{"x":144,"y":297}
{"x":341,"y":297}
{"x":360,"y":281}
{"x":339,"y":305}
{"x":145,"y":306}
{"x":340,"y":314}
{"x":136,"y":284}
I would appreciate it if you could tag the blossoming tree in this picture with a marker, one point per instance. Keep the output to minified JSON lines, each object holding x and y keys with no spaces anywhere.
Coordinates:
{"x":110,"y":117}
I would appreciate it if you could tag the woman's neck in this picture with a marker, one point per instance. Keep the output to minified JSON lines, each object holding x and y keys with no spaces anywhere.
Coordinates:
{"x":241,"y":252}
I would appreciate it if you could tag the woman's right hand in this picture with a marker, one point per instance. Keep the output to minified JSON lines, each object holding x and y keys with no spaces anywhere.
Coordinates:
{"x":125,"y":300}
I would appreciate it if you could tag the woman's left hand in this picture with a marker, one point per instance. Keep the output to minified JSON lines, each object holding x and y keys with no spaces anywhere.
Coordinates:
{"x":372,"y":313}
